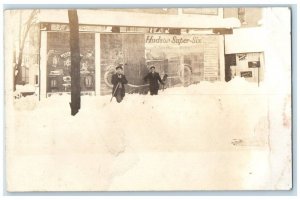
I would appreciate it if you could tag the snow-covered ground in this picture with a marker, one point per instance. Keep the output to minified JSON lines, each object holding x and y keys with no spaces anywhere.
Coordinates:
{"x":206,"y":136}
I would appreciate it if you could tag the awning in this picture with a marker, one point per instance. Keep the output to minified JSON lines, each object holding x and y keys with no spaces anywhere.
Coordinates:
{"x":117,"y":18}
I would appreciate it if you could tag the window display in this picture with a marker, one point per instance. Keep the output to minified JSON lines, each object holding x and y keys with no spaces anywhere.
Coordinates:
{"x":59,"y":62}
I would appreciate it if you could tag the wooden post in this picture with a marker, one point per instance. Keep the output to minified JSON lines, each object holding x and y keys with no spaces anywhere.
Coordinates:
{"x":75,"y":62}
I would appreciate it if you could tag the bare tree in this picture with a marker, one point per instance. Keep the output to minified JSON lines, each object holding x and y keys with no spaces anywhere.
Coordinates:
{"x":75,"y":62}
{"x":22,"y":38}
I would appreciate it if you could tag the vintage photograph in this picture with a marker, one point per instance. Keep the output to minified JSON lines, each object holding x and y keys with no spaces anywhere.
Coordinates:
{"x":148,"y":99}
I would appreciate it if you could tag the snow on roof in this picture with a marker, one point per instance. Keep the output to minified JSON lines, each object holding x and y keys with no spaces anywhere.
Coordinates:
{"x":246,"y":40}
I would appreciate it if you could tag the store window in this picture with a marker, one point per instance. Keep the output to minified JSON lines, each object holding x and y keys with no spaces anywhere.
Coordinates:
{"x":247,"y":65}
{"x":59,"y":62}
{"x":193,"y":55}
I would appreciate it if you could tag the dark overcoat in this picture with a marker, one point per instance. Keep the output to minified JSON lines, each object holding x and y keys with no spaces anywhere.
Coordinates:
{"x":153,"y":79}
{"x":122,"y":80}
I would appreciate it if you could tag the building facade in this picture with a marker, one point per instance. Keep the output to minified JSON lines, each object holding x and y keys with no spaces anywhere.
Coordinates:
{"x":185,"y":43}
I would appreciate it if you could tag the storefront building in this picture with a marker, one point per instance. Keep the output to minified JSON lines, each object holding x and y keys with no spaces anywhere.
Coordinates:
{"x":189,"y":53}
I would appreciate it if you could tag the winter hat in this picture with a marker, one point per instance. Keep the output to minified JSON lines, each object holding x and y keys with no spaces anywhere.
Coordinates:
{"x":120,"y":66}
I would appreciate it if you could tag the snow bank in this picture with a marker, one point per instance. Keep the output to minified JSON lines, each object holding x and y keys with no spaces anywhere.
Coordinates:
{"x":238,"y":86}
{"x":200,"y":133}
{"x":25,"y":88}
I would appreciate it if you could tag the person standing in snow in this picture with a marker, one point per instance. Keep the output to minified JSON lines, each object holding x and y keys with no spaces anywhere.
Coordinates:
{"x":118,"y":80}
{"x":153,"y":77}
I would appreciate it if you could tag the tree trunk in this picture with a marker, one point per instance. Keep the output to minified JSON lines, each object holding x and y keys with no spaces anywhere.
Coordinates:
{"x":75,"y":62}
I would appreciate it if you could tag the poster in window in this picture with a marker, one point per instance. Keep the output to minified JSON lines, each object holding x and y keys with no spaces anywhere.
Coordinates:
{"x":254,"y":64}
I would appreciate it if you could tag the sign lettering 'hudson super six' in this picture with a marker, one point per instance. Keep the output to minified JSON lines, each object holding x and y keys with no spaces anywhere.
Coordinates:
{"x":178,"y":40}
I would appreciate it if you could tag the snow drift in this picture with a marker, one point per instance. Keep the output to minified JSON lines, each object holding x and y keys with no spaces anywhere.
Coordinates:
{"x":206,"y":134}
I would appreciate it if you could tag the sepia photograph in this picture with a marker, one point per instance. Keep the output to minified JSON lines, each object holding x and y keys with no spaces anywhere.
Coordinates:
{"x":148,"y":99}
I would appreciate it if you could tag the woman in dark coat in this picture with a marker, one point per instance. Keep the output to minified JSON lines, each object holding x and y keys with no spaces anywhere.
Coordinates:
{"x":118,"y":80}
{"x":153,"y":78}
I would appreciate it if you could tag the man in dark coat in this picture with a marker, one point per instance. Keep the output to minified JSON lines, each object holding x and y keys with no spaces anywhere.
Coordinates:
{"x":118,"y":80}
{"x":153,"y":78}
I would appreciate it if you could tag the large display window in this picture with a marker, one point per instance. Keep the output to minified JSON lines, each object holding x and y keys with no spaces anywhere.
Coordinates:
{"x":59,"y":62}
{"x":127,"y":49}
{"x":187,"y":59}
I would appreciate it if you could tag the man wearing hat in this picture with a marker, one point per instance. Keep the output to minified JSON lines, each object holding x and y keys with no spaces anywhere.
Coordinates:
{"x":153,"y":77}
{"x":118,"y":80}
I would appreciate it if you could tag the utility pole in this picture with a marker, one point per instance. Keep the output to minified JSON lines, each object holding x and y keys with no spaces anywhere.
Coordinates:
{"x":75,"y":62}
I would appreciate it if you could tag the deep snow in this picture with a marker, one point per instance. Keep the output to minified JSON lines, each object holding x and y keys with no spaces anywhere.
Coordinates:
{"x":211,"y":135}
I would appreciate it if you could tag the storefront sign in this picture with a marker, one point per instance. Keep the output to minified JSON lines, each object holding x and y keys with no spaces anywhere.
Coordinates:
{"x":175,"y":40}
{"x":246,"y":74}
{"x":242,"y":56}
{"x":65,"y":27}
